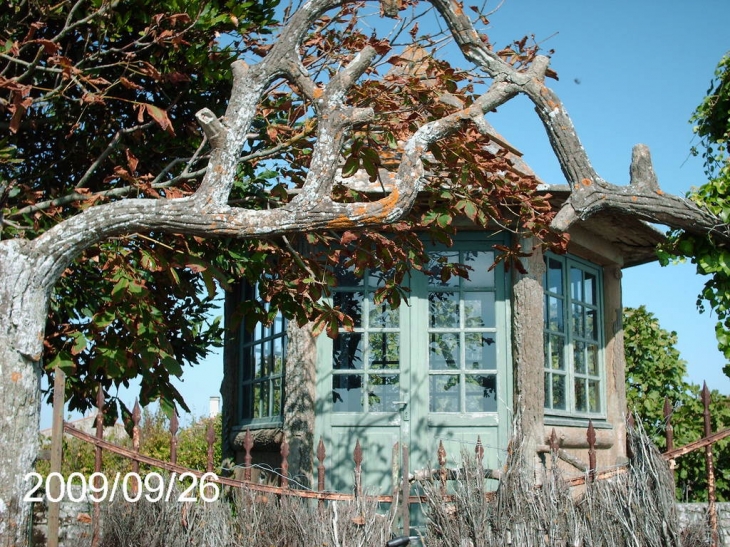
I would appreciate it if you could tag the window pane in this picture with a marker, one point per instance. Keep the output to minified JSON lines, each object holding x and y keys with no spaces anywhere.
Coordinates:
{"x":383,"y":391}
{"x":559,"y":401}
{"x":443,"y":351}
{"x":444,"y":393}
{"x":346,"y":277}
{"x":557,"y":362}
{"x":579,"y":357}
{"x":384,"y":350}
{"x":347,"y":393}
{"x":346,"y":351}
{"x":592,"y":355}
{"x":576,"y":284}
{"x":444,"y":309}
{"x":479,"y":310}
{"x":578,"y":329}
{"x":480,"y":350}
{"x":591,"y":324}
{"x":351,"y":304}
{"x":581,"y":397}
{"x":554,"y":309}
{"x":594,"y":395}
{"x":261,"y":400}
{"x":479,"y":275}
{"x":481,"y":393}
{"x":555,"y":276}
{"x":437,"y":275}
{"x":589,"y":287}
{"x":278,"y":355}
{"x":277,"y":397}
{"x":383,"y":316}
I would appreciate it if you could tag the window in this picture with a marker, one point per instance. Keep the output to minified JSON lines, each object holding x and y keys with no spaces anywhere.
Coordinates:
{"x":573,"y":337}
{"x":454,"y":318}
{"x":262,"y":353}
{"x":366,"y":360}
{"x":462,"y":332}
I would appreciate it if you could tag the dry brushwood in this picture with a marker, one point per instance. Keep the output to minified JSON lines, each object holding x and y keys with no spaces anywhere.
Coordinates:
{"x":632,"y":509}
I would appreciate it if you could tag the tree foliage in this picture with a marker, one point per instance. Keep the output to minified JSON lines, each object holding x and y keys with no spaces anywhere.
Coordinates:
{"x":709,"y":251}
{"x":655,"y":371}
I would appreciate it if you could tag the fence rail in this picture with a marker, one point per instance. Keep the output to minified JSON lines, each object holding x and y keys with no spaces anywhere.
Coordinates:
{"x":400,"y":496}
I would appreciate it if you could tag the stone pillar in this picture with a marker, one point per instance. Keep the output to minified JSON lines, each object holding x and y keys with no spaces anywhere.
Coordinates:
{"x":299,"y":399}
{"x":527,"y":351}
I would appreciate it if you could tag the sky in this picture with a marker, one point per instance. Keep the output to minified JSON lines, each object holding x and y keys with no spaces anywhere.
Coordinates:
{"x":630,"y":72}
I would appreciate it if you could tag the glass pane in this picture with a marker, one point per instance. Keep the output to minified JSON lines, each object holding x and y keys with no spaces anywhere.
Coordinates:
{"x":589,"y":286}
{"x":437,"y":275}
{"x":480,"y":351}
{"x":351,"y":304}
{"x":277,"y":397}
{"x":555,"y":276}
{"x":347,"y":351}
{"x":576,"y":284}
{"x":444,"y":393}
{"x":594,"y":395}
{"x":384,"y":350}
{"x":444,"y":309}
{"x":347,"y":393}
{"x":579,"y":357}
{"x":258,"y":361}
{"x":479,"y":310}
{"x":383,"y":316}
{"x":555,"y":314}
{"x":247,"y":398}
{"x":346,"y":277}
{"x":443,"y":351}
{"x":557,"y":343}
{"x":592,"y":355}
{"x":479,"y":262}
{"x":278,"y":355}
{"x":581,"y":401}
{"x":383,"y":391}
{"x":481,"y":393}
{"x":261,"y":400}
{"x":559,"y":398}
{"x":577,"y":314}
{"x":591,"y":324}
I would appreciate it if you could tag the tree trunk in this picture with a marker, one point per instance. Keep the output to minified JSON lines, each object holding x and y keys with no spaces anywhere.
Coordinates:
{"x":23,"y":306}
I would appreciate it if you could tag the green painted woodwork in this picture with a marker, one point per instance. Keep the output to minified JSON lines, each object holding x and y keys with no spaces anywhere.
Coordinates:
{"x":437,"y":369}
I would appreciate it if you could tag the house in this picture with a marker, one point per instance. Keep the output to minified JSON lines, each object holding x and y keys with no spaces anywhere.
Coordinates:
{"x":458,"y":362}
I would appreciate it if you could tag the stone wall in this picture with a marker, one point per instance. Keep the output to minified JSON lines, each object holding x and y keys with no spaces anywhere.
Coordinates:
{"x":75,"y":522}
{"x":697,"y":512}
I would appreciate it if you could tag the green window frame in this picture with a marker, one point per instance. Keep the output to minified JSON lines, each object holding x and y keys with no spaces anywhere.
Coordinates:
{"x":367,"y":359}
{"x":462,"y":334}
{"x":262,"y":354}
{"x":574,"y":368}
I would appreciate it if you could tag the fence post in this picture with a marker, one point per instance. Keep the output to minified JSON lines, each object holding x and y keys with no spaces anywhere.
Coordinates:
{"x":247,"y":447}
{"x":210,"y":438}
{"x":98,"y":462}
{"x":321,"y":455}
{"x":174,"y":425}
{"x":136,"y":417}
{"x":669,"y":432}
{"x":54,"y":508}
{"x":406,"y":492}
{"x":285,"y":464}
{"x":712,"y":509}
{"x":591,"y":436}
{"x":357,"y":457}
{"x":441,"y":454}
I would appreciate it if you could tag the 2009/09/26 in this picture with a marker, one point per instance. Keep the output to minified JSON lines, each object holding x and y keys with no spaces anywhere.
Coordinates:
{"x":132,"y":487}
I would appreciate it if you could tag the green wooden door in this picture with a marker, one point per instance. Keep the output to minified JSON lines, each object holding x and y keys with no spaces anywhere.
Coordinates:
{"x":433,"y":370}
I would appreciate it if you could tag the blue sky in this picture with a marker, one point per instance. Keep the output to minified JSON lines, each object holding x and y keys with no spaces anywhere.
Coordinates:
{"x":630,"y":72}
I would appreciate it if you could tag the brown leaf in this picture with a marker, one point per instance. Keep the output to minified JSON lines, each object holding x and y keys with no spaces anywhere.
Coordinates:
{"x":129,"y":84}
{"x":132,"y":161}
{"x":160,"y":116}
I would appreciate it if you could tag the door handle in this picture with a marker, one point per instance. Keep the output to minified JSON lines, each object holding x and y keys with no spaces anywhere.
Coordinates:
{"x":403,"y":409}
